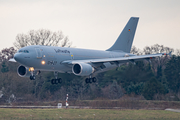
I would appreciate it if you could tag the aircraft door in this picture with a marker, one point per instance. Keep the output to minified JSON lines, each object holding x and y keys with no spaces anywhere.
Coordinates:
{"x":38,"y":53}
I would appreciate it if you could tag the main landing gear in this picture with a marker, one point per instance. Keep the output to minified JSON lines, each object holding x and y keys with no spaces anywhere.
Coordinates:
{"x":90,"y":80}
{"x":57,"y":80}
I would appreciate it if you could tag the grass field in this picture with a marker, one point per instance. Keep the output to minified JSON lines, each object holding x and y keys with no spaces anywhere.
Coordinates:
{"x":123,"y":103}
{"x":79,"y":114}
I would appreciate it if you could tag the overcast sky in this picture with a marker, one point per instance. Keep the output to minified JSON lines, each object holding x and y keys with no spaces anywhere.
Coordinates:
{"x":93,"y":24}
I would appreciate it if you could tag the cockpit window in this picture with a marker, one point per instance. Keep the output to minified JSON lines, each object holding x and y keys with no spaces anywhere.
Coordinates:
{"x":26,"y":51}
{"x":23,"y":51}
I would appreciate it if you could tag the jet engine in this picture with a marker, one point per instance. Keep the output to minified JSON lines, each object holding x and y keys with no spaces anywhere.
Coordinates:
{"x":23,"y":71}
{"x":82,"y":69}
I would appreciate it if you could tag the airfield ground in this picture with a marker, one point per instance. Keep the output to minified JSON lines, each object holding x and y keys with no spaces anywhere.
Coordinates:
{"x":93,"y":109}
{"x":80,"y":114}
{"x":104,"y":104}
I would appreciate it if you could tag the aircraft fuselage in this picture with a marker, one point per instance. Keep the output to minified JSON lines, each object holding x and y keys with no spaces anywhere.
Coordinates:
{"x":49,"y":58}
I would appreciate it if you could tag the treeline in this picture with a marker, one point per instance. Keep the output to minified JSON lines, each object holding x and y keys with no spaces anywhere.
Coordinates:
{"x":158,"y":79}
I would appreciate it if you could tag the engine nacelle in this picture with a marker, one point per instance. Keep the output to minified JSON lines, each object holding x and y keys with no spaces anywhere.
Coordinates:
{"x":23,"y":71}
{"x":82,"y":69}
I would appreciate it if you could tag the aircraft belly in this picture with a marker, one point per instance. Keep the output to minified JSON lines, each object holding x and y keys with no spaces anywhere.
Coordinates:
{"x":59,"y":68}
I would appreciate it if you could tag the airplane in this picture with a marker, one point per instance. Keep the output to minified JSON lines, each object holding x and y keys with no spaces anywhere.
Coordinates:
{"x":81,"y":62}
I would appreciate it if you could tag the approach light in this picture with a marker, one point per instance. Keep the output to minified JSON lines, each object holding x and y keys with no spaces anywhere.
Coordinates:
{"x":43,"y":62}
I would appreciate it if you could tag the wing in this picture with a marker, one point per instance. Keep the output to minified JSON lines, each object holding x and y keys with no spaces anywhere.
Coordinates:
{"x":116,"y":60}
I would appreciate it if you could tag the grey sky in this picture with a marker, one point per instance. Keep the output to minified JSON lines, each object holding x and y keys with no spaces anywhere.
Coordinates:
{"x":93,"y":24}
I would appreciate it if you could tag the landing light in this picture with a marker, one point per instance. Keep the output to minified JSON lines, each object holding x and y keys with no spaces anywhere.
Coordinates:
{"x":43,"y":62}
{"x":31,"y":69}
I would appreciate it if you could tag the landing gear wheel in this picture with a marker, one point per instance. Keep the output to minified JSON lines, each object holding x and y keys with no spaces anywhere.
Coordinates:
{"x":56,"y":81}
{"x":59,"y":80}
{"x":87,"y":80}
{"x":32,"y":77}
{"x":90,"y":80}
{"x":94,"y":79}
{"x":52,"y":81}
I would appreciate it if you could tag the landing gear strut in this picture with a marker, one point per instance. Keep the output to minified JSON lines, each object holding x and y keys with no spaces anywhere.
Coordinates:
{"x":32,"y":76}
{"x":90,"y":80}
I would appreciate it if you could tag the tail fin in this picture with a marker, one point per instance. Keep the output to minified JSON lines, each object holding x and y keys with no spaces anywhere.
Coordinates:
{"x":125,"y":39}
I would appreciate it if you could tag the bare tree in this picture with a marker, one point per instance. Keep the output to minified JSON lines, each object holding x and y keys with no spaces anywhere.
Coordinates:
{"x":135,"y":50}
{"x":160,"y":61}
{"x":156,"y":49}
{"x":42,"y":37}
{"x":177,"y":52}
{"x":7,"y":53}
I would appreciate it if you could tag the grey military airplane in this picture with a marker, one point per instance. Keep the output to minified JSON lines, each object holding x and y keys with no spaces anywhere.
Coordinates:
{"x":81,"y":62}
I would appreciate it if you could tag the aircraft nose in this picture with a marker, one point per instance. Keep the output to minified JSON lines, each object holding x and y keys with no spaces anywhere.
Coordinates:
{"x":18,"y":57}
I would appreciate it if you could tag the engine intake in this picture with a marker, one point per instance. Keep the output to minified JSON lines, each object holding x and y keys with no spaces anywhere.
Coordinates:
{"x":23,"y":71}
{"x":82,"y":69}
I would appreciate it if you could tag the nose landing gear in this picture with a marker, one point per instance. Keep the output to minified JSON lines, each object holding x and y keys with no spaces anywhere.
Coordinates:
{"x":32,"y":71}
{"x":32,"y":77}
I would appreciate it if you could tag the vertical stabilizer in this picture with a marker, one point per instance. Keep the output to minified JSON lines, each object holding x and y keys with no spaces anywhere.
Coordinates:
{"x":125,"y":39}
